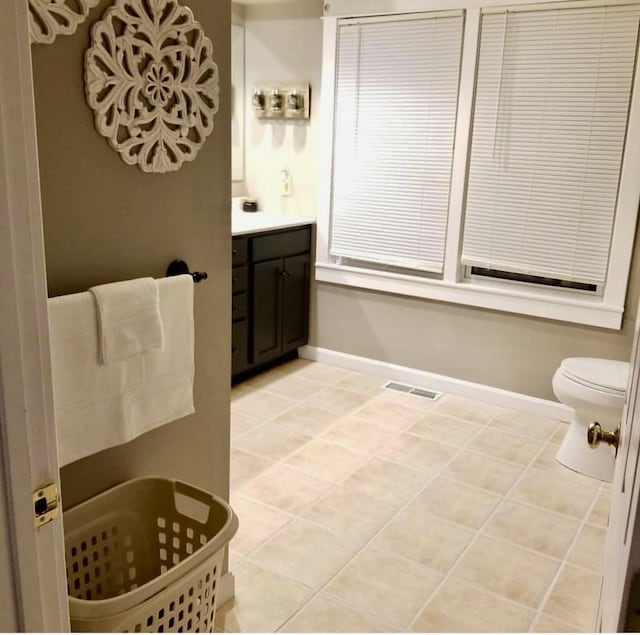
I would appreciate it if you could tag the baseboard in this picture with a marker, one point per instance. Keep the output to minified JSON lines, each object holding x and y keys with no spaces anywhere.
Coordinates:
{"x":226,"y":588}
{"x":441,"y":383}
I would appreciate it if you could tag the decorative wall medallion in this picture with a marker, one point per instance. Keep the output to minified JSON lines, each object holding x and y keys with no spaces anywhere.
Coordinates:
{"x":49,"y":18}
{"x":152,"y":83}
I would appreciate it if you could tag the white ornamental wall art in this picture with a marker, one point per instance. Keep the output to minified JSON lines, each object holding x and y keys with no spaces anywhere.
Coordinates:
{"x":50,"y":18}
{"x":152,"y":83}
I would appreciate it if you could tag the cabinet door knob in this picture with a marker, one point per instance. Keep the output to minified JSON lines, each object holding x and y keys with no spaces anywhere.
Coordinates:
{"x":234,"y":252}
{"x":285,"y":274}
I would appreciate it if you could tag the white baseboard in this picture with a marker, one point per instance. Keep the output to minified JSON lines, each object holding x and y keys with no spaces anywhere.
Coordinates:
{"x":440,"y":383}
{"x":226,"y":588}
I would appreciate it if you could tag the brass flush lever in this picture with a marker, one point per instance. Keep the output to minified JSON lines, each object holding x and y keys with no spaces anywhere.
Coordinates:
{"x":595,"y":434}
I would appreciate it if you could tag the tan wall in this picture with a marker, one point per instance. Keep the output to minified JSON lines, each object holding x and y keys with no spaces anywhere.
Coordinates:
{"x":106,"y":221}
{"x":508,"y":351}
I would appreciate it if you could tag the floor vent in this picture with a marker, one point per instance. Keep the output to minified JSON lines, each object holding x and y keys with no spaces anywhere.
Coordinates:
{"x":412,"y":390}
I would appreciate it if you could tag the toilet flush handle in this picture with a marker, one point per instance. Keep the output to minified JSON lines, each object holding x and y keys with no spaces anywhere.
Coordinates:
{"x":595,"y":434}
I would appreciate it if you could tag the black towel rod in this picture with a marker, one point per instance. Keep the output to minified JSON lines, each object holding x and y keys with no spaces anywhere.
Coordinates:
{"x":180,"y":267}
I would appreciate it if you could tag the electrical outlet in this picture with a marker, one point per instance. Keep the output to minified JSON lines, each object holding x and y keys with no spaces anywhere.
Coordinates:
{"x":285,"y":183}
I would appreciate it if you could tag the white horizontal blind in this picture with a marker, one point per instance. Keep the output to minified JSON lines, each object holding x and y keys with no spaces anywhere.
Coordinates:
{"x":395,"y":115}
{"x":551,"y":108}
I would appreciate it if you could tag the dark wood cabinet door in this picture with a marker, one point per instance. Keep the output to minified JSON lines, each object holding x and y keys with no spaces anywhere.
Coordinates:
{"x":266,"y":304}
{"x":239,"y":352}
{"x":295,"y":302}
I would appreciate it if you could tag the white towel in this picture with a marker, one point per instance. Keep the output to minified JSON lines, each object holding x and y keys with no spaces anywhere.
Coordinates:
{"x":129,"y":319}
{"x":98,"y":406}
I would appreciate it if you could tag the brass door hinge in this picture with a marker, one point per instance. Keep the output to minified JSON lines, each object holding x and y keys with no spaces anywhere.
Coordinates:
{"x":45,"y":504}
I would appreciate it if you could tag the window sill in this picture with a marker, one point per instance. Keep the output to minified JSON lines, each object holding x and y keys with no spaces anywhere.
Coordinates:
{"x":575,"y":309}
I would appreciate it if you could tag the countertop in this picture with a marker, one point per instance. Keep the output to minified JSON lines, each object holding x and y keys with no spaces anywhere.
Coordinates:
{"x":252,"y":222}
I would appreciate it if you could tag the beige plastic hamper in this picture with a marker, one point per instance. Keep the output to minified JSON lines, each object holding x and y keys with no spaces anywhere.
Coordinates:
{"x":145,"y":556}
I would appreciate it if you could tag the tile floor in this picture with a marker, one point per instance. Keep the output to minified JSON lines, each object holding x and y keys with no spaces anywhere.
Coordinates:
{"x":367,"y":510}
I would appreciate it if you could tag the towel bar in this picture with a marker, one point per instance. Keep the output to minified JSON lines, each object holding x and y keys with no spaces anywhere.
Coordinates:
{"x":179,"y":267}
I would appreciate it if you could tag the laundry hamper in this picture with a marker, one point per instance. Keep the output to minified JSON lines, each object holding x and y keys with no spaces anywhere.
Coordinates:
{"x":146,"y":556}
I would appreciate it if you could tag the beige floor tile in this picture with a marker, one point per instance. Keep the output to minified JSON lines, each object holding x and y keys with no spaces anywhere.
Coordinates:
{"x":327,"y":461}
{"x":574,"y":597}
{"x":359,"y":434}
{"x":285,"y":488}
{"x":396,"y":411}
{"x":307,"y":419}
{"x":546,"y":624}
{"x":360,"y":382}
{"x":483,"y":472}
{"x":507,"y":569}
{"x":271,"y":441}
{"x":263,"y":601}
{"x":440,"y":427}
{"x":325,"y":615}
{"x":381,"y":585}
{"x":338,"y":400}
{"x":235,"y":558}
{"x":456,"y":502}
{"x":469,"y":409}
{"x":599,"y":514}
{"x":351,"y":513}
{"x":558,"y":436}
{"x":533,"y":528}
{"x":245,"y":467}
{"x":304,"y":552}
{"x":263,"y":379}
{"x":425,"y":539}
{"x":261,"y":405}
{"x":239,"y":390}
{"x":460,"y":607}
{"x":546,"y":461}
{"x":294,"y":366}
{"x":562,"y":494}
{"x":257,"y":522}
{"x":323,"y":373}
{"x":588,"y":550}
{"x":241,"y":424}
{"x":292,"y":387}
{"x":536,"y":428}
{"x":505,"y":446}
{"x":417,"y":453}
{"x":387,"y":481}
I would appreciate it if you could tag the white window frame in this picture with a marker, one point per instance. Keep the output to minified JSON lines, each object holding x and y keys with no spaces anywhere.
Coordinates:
{"x":604,"y":310}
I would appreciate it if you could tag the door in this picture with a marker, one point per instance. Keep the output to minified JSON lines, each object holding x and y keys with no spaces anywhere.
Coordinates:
{"x":267,"y":310}
{"x":622,"y":550}
{"x":32,"y":570}
{"x":295,"y":299}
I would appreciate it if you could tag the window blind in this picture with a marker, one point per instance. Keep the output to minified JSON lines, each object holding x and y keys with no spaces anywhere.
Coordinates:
{"x":395,"y":113}
{"x":551,"y":108}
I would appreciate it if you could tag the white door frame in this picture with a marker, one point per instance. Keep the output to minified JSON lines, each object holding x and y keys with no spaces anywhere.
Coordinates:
{"x":622,"y":549}
{"x":27,"y":432}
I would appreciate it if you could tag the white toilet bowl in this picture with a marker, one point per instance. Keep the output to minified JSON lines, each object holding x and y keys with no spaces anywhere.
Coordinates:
{"x":595,"y":389}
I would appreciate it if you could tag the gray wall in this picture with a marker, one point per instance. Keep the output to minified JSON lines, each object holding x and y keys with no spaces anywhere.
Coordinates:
{"x":106,"y":221}
{"x":508,"y":351}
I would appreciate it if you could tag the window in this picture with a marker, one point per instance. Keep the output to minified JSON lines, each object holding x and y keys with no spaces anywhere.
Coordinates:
{"x":498,"y":142}
{"x":396,"y":98}
{"x":550,"y":117}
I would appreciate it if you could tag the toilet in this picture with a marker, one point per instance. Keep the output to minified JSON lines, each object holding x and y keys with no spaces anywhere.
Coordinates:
{"x":595,"y":390}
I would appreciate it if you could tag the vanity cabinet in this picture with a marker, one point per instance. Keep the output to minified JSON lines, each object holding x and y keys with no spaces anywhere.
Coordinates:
{"x":270,"y":303}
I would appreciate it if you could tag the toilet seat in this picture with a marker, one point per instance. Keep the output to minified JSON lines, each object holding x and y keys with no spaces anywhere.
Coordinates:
{"x":603,"y":375}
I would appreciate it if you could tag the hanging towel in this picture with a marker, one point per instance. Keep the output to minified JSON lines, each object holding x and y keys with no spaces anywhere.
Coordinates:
{"x":129,"y":321}
{"x":100,"y":406}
